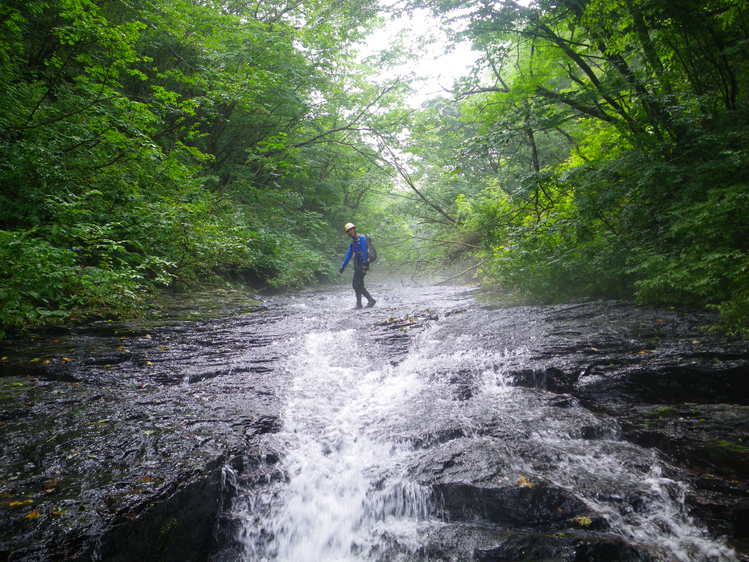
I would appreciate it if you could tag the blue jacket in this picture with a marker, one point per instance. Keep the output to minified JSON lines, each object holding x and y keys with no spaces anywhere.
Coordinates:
{"x":358,"y":247}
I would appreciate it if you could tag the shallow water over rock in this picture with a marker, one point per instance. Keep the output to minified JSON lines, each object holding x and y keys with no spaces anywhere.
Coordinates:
{"x":431,"y":427}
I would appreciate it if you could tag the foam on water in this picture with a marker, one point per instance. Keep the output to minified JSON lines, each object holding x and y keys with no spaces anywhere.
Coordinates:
{"x":346,"y":485}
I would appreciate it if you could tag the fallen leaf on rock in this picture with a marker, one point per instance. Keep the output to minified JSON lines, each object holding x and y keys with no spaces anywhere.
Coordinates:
{"x":120,"y":347}
{"x":523,"y":482}
{"x":66,"y":360}
{"x":20,"y":502}
{"x":582,"y":520}
{"x":163,"y":347}
{"x":4,"y":358}
{"x":32,"y":515}
{"x":149,"y":363}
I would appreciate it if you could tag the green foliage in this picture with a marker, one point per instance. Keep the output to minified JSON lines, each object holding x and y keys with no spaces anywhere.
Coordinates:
{"x":597,"y":148}
{"x":43,"y":283}
{"x":171,"y":143}
{"x":700,"y":258}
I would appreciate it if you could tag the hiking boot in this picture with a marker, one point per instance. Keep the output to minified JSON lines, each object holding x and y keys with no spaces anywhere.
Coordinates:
{"x":358,"y":306}
{"x":371,"y":303}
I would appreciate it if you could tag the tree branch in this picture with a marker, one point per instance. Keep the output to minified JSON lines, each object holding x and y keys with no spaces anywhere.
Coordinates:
{"x":407,"y":178}
{"x":591,"y":111}
{"x":475,"y":266}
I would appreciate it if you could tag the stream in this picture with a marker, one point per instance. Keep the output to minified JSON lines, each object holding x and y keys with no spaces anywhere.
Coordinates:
{"x":384,"y":459}
{"x":430,"y":427}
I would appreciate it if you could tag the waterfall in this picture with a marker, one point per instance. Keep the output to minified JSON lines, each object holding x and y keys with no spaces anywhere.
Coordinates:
{"x":346,"y":492}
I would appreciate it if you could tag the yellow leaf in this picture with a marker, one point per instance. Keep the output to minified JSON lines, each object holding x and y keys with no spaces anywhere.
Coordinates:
{"x":582,"y":520}
{"x":21,"y":502}
{"x":523,"y":482}
{"x":149,"y":363}
{"x":66,"y":359}
{"x":32,"y":515}
{"x":163,"y":347}
{"x":4,"y":358}
{"x":120,"y":347}
{"x":35,"y":360}
{"x":46,"y":362}
{"x":594,"y":349}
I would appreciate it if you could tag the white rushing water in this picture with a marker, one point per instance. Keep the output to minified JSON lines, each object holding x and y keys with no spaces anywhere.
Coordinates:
{"x":350,"y":422}
{"x":338,"y":451}
{"x":347,"y":493}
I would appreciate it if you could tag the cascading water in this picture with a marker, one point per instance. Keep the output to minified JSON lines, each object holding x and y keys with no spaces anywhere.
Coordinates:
{"x":346,"y":490}
{"x":359,"y":433}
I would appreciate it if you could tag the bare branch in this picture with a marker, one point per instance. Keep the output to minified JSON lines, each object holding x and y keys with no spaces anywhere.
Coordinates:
{"x":475,"y":266}
{"x":409,"y":181}
{"x":463,"y":95}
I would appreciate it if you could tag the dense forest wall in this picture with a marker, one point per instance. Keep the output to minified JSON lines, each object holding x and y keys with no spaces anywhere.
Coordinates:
{"x":598,"y":148}
{"x":167,"y":142}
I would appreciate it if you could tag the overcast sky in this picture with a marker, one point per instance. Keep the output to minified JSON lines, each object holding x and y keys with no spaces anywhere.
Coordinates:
{"x":437,"y":68}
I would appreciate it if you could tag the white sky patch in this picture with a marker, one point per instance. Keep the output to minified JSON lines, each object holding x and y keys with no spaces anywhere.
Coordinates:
{"x":434,"y":67}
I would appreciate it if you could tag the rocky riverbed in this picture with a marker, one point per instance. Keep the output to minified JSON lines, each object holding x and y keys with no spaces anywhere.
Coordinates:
{"x":436,"y":426}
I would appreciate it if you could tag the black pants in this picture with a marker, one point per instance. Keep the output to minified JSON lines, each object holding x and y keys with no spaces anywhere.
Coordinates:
{"x":358,"y":284}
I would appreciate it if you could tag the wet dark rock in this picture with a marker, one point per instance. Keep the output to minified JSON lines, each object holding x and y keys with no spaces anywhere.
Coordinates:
{"x":669,"y":381}
{"x":114,"y":437}
{"x":551,"y":378}
{"x":704,"y":437}
{"x":562,"y":548}
{"x":493,"y":545}
{"x":534,"y":504}
{"x":177,"y":525}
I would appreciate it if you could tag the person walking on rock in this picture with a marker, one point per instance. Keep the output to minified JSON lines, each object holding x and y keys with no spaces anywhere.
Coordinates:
{"x":358,"y":249}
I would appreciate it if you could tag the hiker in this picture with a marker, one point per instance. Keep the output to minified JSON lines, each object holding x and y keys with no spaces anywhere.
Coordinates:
{"x":358,"y":249}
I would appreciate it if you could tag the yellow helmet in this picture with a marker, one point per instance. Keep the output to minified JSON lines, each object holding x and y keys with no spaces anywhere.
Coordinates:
{"x":348,"y":226}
